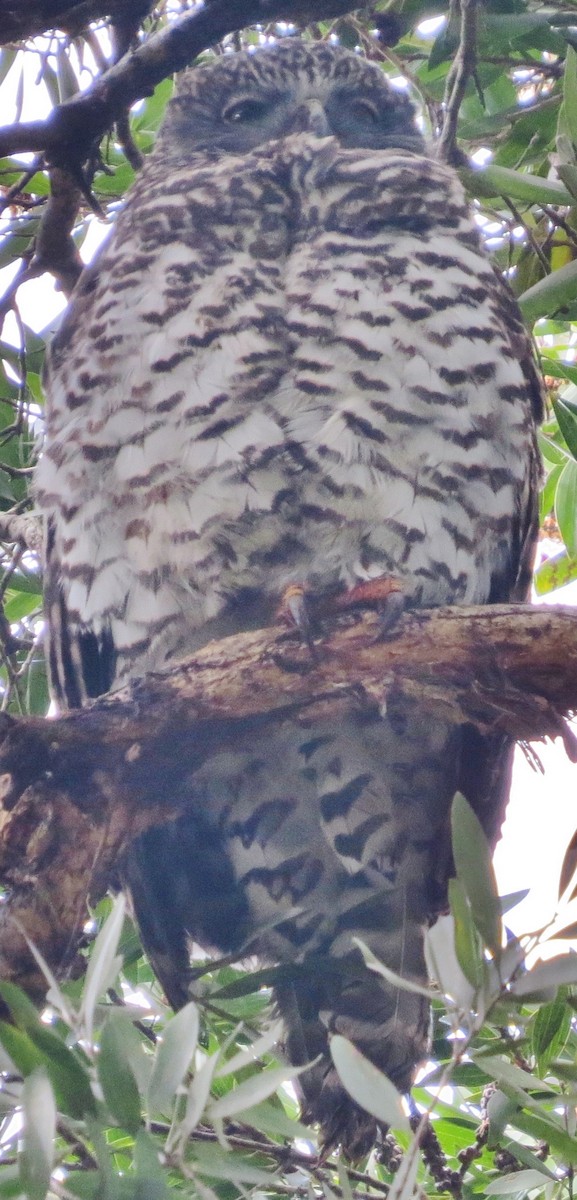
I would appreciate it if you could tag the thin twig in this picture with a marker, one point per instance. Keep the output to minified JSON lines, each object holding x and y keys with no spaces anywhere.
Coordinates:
{"x":462,"y":70}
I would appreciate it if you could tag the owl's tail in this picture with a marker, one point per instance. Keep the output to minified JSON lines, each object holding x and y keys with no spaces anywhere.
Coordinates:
{"x":388,"y":1024}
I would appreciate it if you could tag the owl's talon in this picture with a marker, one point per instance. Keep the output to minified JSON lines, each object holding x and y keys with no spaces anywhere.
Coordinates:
{"x":390,"y":614}
{"x":295,"y":610}
{"x":385,"y":594}
{"x":370,"y":593}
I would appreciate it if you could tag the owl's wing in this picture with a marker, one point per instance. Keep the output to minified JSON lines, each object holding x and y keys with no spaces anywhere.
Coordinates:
{"x":515,"y":586}
{"x":81,"y":662}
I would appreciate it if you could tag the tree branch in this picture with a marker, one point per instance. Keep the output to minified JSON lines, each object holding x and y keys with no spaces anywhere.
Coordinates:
{"x":72,"y":128}
{"x":463,"y":67}
{"x":75,"y":791}
{"x":19,"y":21}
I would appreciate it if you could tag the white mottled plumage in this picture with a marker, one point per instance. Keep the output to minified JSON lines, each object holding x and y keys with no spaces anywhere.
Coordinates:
{"x":292,"y":363}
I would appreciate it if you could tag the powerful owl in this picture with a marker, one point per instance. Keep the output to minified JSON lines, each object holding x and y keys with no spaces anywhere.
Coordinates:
{"x":292,"y":371}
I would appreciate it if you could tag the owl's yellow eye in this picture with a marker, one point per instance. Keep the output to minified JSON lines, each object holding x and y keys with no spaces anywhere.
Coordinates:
{"x":242,"y":112}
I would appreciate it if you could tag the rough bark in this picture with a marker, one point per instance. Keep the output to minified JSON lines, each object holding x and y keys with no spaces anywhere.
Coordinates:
{"x":76,"y":790}
{"x":21,"y":19}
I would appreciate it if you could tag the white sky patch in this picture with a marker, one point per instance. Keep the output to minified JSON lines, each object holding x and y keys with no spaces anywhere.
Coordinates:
{"x":482,"y":156}
{"x":430,"y":28}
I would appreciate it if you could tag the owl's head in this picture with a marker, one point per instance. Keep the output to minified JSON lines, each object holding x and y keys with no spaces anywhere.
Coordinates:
{"x":245,"y":100}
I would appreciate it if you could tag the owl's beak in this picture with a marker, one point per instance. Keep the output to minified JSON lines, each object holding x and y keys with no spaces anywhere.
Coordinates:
{"x":310,"y":117}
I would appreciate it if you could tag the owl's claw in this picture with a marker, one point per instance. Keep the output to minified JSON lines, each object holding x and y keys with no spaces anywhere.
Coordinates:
{"x":295,"y":610}
{"x":385,"y":594}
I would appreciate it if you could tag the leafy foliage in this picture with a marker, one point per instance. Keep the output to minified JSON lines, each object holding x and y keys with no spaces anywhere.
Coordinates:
{"x":106,"y":1094}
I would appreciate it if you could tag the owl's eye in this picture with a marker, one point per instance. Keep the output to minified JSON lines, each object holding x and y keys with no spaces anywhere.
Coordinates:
{"x":242,"y":112}
{"x":363,"y":110}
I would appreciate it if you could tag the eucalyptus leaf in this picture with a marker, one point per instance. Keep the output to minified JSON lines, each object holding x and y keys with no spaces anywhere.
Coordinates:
{"x":566,"y":413}
{"x":254,"y":1051}
{"x":116,"y":1075}
{"x":368,"y":1086}
{"x":551,"y":295}
{"x":474,"y":864}
{"x":151,"y":1180}
{"x":467,"y":946}
{"x":518,"y":1183}
{"x":550,"y":1030}
{"x":555,"y":573}
{"x":550,"y":974}
{"x":173,"y":1055}
{"x":39,"y":1130}
{"x":216,"y":1163}
{"x":198,"y":1095}
{"x":502,"y":181}
{"x":251,"y":1092}
{"x":104,"y":962}
{"x":41,"y":1047}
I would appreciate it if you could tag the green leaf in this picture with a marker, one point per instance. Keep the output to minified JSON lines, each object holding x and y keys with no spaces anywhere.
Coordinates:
{"x":172,"y":1059}
{"x":467,"y":945}
{"x":510,"y":901}
{"x":558,"y":369}
{"x":368,"y":1086}
{"x":545,"y":975}
{"x":398,"y":981}
{"x":198,"y":1094}
{"x":69,"y":1078}
{"x":216,"y":1163}
{"x":547,"y":1131}
{"x":116,"y":1074}
{"x":495,"y":181}
{"x":255,"y":1050}
{"x":252,"y":1091}
{"x":550,"y":296}
{"x":474,"y":865}
{"x":515,"y":1184}
{"x":151,"y":1180}
{"x":569,"y":114}
{"x":8,"y":57}
{"x":550,"y":1030}
{"x":39,"y":1130}
{"x":549,"y":491}
{"x":104,"y":963}
{"x":40,"y":1047}
{"x":21,"y":1050}
{"x":500,"y":1109}
{"x":108,"y":1183}
{"x":22,"y":1011}
{"x":566,"y":413}
{"x":555,"y":573}
{"x":269,"y":1117}
{"x":566,"y":505}
{"x":508,"y":1074}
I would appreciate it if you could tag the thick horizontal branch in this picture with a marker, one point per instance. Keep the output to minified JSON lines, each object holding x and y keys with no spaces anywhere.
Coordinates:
{"x":75,"y":791}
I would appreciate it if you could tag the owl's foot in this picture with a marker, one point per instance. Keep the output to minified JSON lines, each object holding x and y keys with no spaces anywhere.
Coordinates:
{"x":384,"y":593}
{"x":299,"y":608}
{"x":295,"y":610}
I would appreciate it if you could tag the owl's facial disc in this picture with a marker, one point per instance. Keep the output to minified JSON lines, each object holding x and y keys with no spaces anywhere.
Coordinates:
{"x":245,"y":101}
{"x":319,"y":107}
